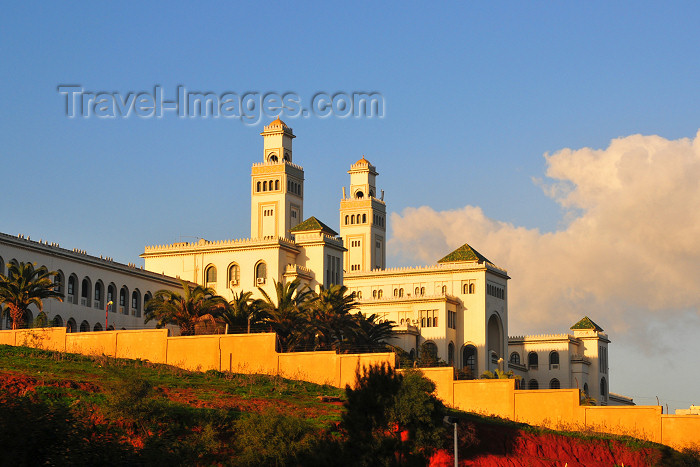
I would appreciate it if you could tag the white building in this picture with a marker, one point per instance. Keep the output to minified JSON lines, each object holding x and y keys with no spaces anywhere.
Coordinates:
{"x":456,"y":309}
{"x":578,"y":360}
{"x":88,"y":284}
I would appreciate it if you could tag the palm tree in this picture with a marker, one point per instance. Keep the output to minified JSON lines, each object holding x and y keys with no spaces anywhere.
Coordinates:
{"x":373,"y":333}
{"x":25,"y":286}
{"x":331,"y":322}
{"x":243,"y":312}
{"x":195,"y":304}
{"x":289,"y":317}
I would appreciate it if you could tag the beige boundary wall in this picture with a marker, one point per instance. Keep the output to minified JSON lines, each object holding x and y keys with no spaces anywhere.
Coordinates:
{"x":560,"y":409}
{"x":255,"y":353}
{"x":241,"y":353}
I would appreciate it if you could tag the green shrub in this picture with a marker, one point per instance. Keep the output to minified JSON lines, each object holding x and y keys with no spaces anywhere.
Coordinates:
{"x":272,"y":439}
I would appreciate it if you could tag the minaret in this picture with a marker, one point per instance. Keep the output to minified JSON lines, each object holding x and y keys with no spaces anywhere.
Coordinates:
{"x":277,"y":186}
{"x":363,"y":220}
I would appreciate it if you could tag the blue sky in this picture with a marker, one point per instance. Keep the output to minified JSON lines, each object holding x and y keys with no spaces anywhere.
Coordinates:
{"x":476,"y":94}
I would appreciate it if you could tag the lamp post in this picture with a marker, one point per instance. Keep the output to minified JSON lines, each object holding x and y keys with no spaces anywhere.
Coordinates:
{"x":448,"y":420}
{"x":109,"y":303}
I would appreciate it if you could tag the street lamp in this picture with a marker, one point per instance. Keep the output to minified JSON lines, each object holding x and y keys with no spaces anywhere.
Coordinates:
{"x":447,"y":420}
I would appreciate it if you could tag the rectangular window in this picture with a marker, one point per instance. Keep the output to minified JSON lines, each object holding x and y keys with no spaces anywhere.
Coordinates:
{"x":451,"y":319}
{"x":428,"y":318}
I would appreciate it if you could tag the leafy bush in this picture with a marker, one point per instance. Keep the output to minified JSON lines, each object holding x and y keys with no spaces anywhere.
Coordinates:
{"x":391,"y":418}
{"x":272,"y":439}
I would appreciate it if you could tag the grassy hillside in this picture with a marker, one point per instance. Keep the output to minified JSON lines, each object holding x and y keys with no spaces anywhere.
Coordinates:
{"x":67,"y":409}
{"x":64,"y":409}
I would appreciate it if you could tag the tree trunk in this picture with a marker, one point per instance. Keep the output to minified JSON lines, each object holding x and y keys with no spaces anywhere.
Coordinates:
{"x":15,"y":315}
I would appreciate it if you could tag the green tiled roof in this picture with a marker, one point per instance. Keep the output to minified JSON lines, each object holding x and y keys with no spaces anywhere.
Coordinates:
{"x":587,"y":323}
{"x":312,"y":224}
{"x":464,"y":253}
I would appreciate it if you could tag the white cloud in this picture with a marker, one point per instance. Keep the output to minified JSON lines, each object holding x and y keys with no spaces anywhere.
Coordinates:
{"x":629,"y":254}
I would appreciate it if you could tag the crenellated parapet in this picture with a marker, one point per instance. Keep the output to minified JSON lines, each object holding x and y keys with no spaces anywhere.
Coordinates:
{"x":203,"y":244}
{"x":427,"y":269}
{"x":298,"y":270}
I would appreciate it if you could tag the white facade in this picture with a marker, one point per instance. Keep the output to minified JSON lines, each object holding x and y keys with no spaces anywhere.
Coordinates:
{"x":363,"y":220}
{"x":578,"y":360}
{"x":88,"y":284}
{"x":452,"y":305}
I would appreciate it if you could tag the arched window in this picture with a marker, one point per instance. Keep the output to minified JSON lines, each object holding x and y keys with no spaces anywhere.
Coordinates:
{"x":234,"y":275}
{"x":417,"y":290}
{"x":396,"y":292}
{"x":265,"y":185}
{"x":359,"y":194}
{"x":146,"y":298}
{"x":532,"y":360}
{"x":515,"y":358}
{"x":277,"y":184}
{"x":374,"y":294}
{"x":258,"y":187}
{"x":347,"y":219}
{"x":359,"y":295}
{"x":84,"y":326}
{"x":430,"y":350}
{"x":210,"y":276}
{"x":444,"y":289}
{"x":553,"y":358}
{"x":554,"y":384}
{"x":603,"y":387}
{"x":422,"y":290}
{"x":260,"y":273}
{"x":401,"y":292}
{"x":380,"y":293}
{"x":465,"y":289}
{"x":71,"y":289}
{"x":451,"y":354}
{"x":533,"y":384}
{"x":469,"y":359}
{"x":71,"y":326}
{"x":85,"y":289}
{"x":471,"y":288}
{"x":98,"y":294}
{"x":123,"y":301}
{"x":272,"y":158}
{"x":371,"y":194}
{"x":111,"y":294}
{"x":57,"y":321}
{"x":59,"y":281}
{"x":97,"y":327}
{"x":364,"y":218}
{"x":135,"y":303}
{"x":287,"y":157}
{"x":585,"y":389}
